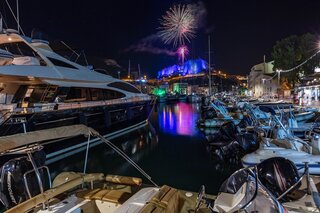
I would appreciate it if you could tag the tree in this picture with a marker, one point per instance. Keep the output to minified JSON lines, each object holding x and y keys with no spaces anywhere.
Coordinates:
{"x":292,"y":51}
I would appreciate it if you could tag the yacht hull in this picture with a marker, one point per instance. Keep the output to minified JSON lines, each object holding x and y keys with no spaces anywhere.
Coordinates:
{"x":110,"y":121}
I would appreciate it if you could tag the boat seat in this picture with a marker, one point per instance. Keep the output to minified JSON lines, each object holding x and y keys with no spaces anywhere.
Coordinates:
{"x":113,"y":196}
{"x":26,"y":60}
{"x":166,"y":200}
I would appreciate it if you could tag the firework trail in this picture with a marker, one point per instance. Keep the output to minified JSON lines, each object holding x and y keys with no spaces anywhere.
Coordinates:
{"x":178,"y":25}
{"x":183,"y":51}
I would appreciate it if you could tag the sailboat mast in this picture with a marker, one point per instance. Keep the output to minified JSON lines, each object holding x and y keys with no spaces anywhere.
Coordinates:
{"x":129,"y":67}
{"x":18,"y":21}
{"x":209,"y":65}
{"x":139,"y":74}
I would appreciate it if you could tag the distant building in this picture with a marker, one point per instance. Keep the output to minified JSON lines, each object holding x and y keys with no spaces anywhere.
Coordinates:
{"x":262,"y":81}
{"x":180,"y":88}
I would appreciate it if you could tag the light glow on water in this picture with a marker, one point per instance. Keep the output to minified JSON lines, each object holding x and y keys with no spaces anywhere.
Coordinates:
{"x":179,"y":121}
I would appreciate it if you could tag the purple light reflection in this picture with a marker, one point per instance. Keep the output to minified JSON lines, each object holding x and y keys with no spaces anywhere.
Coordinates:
{"x":178,"y":119}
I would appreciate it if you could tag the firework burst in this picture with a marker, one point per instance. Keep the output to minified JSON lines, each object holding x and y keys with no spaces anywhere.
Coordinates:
{"x":178,"y":25}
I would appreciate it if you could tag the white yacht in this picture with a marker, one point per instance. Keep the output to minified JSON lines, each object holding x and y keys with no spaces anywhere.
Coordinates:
{"x":39,"y":89}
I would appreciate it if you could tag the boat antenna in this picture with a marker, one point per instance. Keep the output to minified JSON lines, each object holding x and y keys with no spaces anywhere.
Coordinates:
{"x":73,"y":51}
{"x":1,"y":27}
{"x":3,"y":21}
{"x":85,"y":57}
{"x":139,"y":74}
{"x":16,"y":18}
{"x":129,"y":67}
{"x":18,"y":21}
{"x":209,"y":65}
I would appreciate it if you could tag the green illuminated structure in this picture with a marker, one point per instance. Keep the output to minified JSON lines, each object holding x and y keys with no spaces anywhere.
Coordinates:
{"x":160,"y":92}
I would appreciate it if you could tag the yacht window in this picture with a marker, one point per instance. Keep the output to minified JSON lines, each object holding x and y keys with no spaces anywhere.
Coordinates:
{"x":110,"y":94}
{"x":23,"y":54}
{"x":85,"y":94}
{"x":77,"y":94}
{"x":35,"y":94}
{"x":96,"y":94}
{"x":61,"y":63}
{"x":104,"y":94}
{"x":29,"y":92}
{"x":20,"y":94}
{"x":124,"y":86}
{"x":18,"y":49}
{"x":62,"y":93}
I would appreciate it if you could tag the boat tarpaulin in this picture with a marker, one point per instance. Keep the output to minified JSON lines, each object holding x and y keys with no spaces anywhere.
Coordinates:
{"x":23,"y":139}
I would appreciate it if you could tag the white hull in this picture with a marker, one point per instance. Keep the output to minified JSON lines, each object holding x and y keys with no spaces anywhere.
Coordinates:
{"x":300,"y":117}
{"x":298,"y":158}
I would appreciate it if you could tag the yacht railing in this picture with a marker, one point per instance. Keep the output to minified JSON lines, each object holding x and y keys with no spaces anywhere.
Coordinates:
{"x":41,"y":107}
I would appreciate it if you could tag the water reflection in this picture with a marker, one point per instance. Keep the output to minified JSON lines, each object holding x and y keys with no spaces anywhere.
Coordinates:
{"x":178,"y":119}
{"x":174,"y":153}
{"x":137,"y":145}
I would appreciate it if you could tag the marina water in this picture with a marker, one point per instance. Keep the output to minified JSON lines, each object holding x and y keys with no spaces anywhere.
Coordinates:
{"x":171,"y":149}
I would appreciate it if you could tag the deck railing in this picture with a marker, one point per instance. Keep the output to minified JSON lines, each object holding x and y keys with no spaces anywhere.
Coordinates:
{"x":41,"y":107}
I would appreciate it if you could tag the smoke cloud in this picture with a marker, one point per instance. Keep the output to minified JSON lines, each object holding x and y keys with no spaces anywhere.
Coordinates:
{"x":199,"y":13}
{"x":148,"y":44}
{"x":111,"y":62}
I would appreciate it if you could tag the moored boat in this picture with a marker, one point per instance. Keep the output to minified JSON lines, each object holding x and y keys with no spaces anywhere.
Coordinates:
{"x":274,"y":185}
{"x":41,"y":89}
{"x":32,"y":190}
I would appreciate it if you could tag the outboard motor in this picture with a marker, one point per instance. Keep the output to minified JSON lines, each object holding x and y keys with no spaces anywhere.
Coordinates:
{"x":278,"y":175}
{"x":245,"y":121}
{"x":208,"y":113}
{"x":226,"y":133}
{"x":229,"y":131}
{"x":204,"y":101}
{"x":242,"y":191}
{"x":18,"y":179}
{"x":247,"y":141}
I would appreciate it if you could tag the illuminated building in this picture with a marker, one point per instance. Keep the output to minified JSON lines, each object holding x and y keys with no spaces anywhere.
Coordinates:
{"x":262,"y":81}
{"x":188,"y":68}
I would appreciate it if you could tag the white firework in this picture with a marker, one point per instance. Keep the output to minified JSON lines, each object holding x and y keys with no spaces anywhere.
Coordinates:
{"x":178,"y":25}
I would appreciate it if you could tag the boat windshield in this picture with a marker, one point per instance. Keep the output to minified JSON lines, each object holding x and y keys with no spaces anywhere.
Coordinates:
{"x":22,"y":54}
{"x":18,"y":49}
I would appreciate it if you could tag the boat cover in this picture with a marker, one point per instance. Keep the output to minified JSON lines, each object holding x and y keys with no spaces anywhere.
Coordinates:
{"x":23,"y":139}
{"x":5,"y":57}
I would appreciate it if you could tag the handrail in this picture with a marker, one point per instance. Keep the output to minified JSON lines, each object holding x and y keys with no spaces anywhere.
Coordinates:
{"x":83,"y":104}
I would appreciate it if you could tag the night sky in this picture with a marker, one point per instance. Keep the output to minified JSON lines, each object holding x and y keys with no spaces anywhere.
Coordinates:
{"x":241,"y":31}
